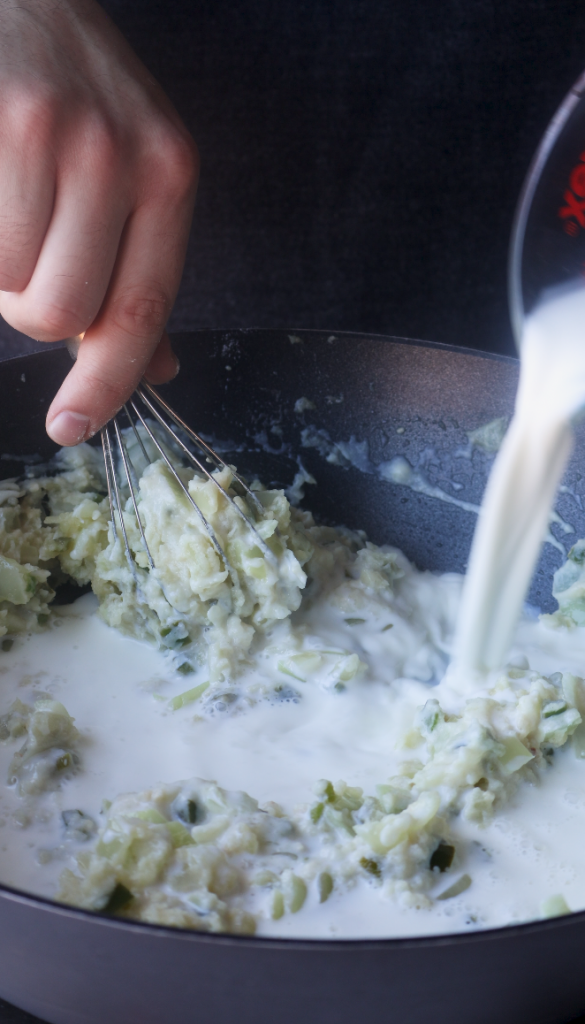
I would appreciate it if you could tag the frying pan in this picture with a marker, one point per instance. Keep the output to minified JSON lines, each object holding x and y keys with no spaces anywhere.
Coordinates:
{"x":401,"y":397}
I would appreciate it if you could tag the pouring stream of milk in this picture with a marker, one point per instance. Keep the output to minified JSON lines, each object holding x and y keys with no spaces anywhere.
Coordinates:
{"x":523,"y":483}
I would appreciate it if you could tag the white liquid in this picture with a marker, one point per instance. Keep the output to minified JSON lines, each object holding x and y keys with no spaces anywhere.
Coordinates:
{"x":112,"y":686}
{"x":523,"y":482}
{"x":131,"y":740}
{"x":118,"y":690}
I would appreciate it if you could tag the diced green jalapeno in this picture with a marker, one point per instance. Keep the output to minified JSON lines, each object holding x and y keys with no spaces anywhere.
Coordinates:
{"x":354,"y":621}
{"x":180,"y":836}
{"x":554,"y":906}
{"x":119,"y":898}
{"x":456,"y":889}
{"x":277,"y":908}
{"x":275,"y":545}
{"x":350,"y":668}
{"x":325,"y":886}
{"x":188,"y":697}
{"x":153,"y":816}
{"x":16,"y":584}
{"x":78,"y":826}
{"x":316,"y":812}
{"x":371,"y":866}
{"x":556,"y":707}
{"x":186,"y":668}
{"x":283,"y":667}
{"x":296,"y":893}
{"x":258,"y":572}
{"x":430,"y":716}
{"x":264,"y":878}
{"x":187,"y":812}
{"x":72,"y":817}
{"x":442,"y":858}
{"x":515,"y":755}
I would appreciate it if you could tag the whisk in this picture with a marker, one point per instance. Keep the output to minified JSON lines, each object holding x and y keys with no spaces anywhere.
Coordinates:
{"x":146,"y":398}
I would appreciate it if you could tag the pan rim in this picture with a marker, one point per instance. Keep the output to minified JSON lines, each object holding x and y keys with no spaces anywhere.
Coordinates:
{"x":307,"y":332}
{"x":482,"y":935}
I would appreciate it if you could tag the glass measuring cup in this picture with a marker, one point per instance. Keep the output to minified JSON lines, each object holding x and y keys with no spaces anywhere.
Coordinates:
{"x":547,"y":248}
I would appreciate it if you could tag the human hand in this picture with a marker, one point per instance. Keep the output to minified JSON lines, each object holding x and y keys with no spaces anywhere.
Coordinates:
{"x":97,"y":185}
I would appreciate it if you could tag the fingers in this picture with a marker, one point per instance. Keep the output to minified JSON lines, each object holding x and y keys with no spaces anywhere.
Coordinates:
{"x":27,"y":181}
{"x":123,"y":339}
{"x":97,"y":185}
{"x":72,"y":271}
{"x":164,"y":364}
{"x":110,"y":362}
{"x":70,"y":428}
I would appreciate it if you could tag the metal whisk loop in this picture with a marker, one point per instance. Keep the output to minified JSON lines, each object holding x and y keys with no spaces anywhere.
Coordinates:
{"x":114,"y":495}
{"x":137,"y":435}
{"x":202,"y":445}
{"x":133,"y":414}
{"x":268,"y":554}
{"x":128,"y":468}
{"x":185,"y":491}
{"x":108,"y":461}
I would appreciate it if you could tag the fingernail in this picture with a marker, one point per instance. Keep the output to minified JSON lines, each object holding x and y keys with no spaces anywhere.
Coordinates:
{"x":177,"y":366}
{"x":69,"y":428}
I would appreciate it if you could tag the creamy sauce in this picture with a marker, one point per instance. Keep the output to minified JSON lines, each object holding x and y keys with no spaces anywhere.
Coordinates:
{"x":279,"y":734}
{"x":112,"y":686}
{"x":523,"y":482}
{"x":118,"y":690}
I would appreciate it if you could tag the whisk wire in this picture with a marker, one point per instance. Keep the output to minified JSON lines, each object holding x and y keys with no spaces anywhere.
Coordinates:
{"x":137,"y":435}
{"x":108,"y":460}
{"x":128,"y":469}
{"x":201,"y":466}
{"x":209,"y":529}
{"x":148,"y":396}
{"x":203,"y":446}
{"x":114,"y":491}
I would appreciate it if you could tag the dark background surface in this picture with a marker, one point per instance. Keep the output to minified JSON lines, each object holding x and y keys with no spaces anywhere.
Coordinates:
{"x":361,"y":159}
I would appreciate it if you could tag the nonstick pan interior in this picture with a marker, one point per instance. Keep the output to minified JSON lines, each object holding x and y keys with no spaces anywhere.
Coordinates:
{"x":368,"y":401}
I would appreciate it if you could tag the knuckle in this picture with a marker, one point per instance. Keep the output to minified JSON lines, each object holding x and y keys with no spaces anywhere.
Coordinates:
{"x":140,"y":312}
{"x":26,"y":324}
{"x":183,"y":159}
{"x":10,"y":281}
{"x":102,"y":140}
{"x":29,"y":113}
{"x":19,"y":245}
{"x":107,"y":390}
{"x":104,"y":378}
{"x":54,"y":321}
{"x":177,"y":163}
{"x":14,"y":272}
